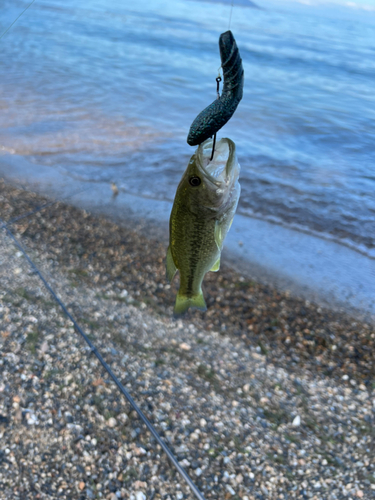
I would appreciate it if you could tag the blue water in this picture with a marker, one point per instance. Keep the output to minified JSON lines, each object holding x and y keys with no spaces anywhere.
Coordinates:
{"x":107,"y":90}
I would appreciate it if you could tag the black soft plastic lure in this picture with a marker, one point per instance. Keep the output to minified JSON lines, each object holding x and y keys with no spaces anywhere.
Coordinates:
{"x":216,"y":115}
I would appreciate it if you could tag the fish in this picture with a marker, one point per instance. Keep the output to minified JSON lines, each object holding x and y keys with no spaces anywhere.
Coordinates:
{"x":218,"y":113}
{"x":202,"y":213}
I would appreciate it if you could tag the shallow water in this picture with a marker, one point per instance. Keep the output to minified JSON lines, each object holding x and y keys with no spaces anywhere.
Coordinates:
{"x":106,"y":91}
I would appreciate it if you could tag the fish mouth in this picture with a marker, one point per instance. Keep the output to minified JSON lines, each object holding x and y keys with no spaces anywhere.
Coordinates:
{"x":223,"y":168}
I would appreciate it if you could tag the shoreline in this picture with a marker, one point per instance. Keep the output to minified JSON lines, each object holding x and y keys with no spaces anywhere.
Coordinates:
{"x":265,"y":395}
{"x":319,"y":270}
{"x":237,"y":304}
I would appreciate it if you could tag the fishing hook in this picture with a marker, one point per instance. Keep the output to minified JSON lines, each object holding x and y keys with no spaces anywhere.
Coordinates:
{"x":218,"y":80}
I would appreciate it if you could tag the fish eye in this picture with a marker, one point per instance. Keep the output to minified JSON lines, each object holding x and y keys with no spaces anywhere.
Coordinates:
{"x":194,"y":181}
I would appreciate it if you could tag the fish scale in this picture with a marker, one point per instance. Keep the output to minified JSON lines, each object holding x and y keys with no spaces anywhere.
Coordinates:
{"x":193,"y":237}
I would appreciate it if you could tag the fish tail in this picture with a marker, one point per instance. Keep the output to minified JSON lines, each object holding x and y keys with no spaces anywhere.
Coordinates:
{"x":183,"y":303}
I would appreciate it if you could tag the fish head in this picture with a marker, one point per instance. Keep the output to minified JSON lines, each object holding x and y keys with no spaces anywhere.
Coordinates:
{"x":210,"y":185}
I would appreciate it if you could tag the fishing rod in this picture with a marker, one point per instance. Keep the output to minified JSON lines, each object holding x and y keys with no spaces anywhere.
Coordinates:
{"x":107,"y":368}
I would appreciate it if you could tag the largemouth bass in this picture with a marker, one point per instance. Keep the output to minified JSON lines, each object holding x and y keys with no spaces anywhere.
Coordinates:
{"x":202,"y":213}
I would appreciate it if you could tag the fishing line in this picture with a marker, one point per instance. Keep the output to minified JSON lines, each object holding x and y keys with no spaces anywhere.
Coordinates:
{"x":230,"y":16}
{"x":218,"y":80}
{"x":107,"y":368}
{"x":6,"y":31}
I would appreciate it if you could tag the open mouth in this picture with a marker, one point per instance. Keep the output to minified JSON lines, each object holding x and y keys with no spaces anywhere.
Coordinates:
{"x":217,"y":167}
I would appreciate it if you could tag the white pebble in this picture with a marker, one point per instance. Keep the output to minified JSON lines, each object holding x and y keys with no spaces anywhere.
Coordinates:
{"x":123,"y":418}
{"x":230,"y":489}
{"x":239,"y":478}
{"x":297,"y":421}
{"x":112,"y":422}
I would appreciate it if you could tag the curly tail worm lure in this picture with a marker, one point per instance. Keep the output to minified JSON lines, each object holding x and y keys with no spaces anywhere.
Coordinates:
{"x":216,"y":115}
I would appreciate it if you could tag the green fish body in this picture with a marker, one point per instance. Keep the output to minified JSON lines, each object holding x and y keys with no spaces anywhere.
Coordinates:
{"x":202,"y":213}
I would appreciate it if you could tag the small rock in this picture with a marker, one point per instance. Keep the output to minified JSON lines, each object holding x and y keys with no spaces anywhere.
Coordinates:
{"x":239,"y":478}
{"x":230,"y":489}
{"x":44,"y":347}
{"x":81,"y":485}
{"x":140,"y":451}
{"x":32,"y":420}
{"x":202,"y":422}
{"x":90,"y":494}
{"x":140,"y":496}
{"x":264,"y":490}
{"x":124,"y":419}
{"x":68,"y":417}
{"x":112,"y":422}
{"x":185,"y":347}
{"x":198,"y":472}
{"x":297,"y":421}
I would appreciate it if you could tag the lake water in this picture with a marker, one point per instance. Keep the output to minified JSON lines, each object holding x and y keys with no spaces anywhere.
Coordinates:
{"x":106,"y":91}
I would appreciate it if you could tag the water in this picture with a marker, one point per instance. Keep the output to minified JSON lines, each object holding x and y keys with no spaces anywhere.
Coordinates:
{"x":106,"y":91}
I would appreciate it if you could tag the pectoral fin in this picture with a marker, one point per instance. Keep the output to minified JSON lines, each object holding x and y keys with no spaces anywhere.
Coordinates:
{"x":222,"y":226}
{"x":216,"y":266}
{"x":170,"y":266}
{"x":218,"y":235}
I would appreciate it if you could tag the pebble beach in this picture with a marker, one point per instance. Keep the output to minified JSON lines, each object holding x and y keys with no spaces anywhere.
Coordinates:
{"x":264,"y":396}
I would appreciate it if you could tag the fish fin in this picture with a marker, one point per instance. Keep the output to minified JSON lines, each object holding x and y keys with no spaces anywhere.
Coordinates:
{"x":216,"y":266}
{"x":183,"y":303}
{"x":223,"y":225}
{"x":218,"y":235}
{"x":170,"y":266}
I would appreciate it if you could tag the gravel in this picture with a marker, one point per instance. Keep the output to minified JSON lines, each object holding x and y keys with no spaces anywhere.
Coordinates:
{"x":263,"y":397}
